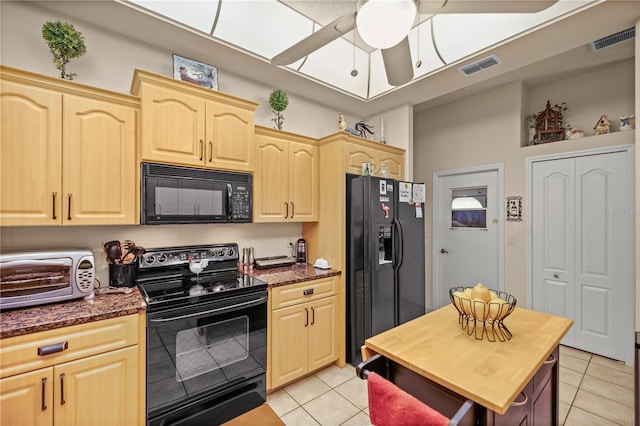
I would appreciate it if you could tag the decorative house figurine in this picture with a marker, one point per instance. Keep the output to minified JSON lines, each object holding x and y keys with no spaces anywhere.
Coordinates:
{"x":548,"y":125}
{"x":603,"y":125}
{"x":626,"y":122}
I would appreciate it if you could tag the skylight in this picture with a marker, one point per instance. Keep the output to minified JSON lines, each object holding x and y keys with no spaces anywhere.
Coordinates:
{"x":264,"y":28}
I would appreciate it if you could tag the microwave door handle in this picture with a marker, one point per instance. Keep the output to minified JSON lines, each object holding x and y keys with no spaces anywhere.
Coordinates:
{"x":229,"y":205}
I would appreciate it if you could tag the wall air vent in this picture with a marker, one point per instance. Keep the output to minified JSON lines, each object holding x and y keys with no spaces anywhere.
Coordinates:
{"x":610,"y":40}
{"x":480,"y":65}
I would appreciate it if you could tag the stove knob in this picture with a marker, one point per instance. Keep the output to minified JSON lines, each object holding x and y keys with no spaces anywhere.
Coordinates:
{"x":221,"y":253}
{"x":149,"y":259}
{"x":162,"y":258}
{"x":230,"y":252}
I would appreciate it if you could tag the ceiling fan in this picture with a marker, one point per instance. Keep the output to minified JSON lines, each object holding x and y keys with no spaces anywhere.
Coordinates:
{"x":374,"y":16}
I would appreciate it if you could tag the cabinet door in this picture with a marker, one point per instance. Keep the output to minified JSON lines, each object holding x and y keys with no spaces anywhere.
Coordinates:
{"x":173,"y":124}
{"x":99,"y":164}
{"x":271,"y":182}
{"x":355,"y":155}
{"x":322,"y":332}
{"x":289,"y":343}
{"x":30,"y":155}
{"x":394,"y":163}
{"x":27,"y":399}
{"x":98,"y":390}
{"x":303,"y":182}
{"x":229,"y":137}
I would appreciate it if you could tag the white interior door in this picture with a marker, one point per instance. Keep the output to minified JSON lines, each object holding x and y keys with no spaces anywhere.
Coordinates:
{"x":582,"y":252}
{"x":553,"y":217}
{"x":467,"y":231}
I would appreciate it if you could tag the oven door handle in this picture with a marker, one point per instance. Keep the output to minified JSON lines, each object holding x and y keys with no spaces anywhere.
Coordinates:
{"x":212,"y":311}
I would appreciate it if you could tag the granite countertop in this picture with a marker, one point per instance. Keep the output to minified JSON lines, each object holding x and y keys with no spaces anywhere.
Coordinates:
{"x":276,"y":277}
{"x":16,"y":322}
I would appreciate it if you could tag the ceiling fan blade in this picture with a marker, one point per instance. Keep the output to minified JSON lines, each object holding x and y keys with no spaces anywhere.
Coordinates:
{"x":315,"y":41}
{"x":433,"y":7}
{"x":397,"y":63}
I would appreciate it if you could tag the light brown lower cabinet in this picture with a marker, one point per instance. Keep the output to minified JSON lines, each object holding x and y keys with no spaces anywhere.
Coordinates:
{"x":302,"y":330}
{"x":76,"y":385}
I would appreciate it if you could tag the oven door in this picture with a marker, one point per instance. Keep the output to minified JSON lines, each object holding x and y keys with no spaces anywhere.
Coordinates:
{"x":206,"y":363}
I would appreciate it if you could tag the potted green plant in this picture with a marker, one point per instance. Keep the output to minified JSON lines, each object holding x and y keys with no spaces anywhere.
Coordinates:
{"x":65,"y":43}
{"x":279,"y":102}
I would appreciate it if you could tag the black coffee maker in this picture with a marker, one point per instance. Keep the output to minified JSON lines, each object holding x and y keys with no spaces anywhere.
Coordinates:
{"x":301,"y":251}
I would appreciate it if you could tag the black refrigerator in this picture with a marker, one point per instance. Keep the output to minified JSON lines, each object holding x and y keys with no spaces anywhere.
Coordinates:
{"x":385,"y":257}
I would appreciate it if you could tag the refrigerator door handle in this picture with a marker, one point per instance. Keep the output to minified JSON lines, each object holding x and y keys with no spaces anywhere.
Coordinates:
{"x":399,"y":247}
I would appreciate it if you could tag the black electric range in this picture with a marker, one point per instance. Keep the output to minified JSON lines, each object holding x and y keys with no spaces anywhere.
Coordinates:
{"x":174,"y":276}
{"x":206,"y":335}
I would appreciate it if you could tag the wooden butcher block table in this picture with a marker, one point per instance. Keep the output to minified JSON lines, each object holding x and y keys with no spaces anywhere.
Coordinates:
{"x":509,"y":381}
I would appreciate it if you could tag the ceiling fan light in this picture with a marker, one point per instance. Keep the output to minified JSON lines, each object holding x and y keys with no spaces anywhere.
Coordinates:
{"x":384,"y":23}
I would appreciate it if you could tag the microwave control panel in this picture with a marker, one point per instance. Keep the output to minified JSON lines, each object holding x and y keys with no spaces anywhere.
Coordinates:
{"x":241,"y":203}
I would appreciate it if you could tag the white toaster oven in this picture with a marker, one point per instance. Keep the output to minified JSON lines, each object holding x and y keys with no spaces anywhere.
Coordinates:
{"x":36,"y":277}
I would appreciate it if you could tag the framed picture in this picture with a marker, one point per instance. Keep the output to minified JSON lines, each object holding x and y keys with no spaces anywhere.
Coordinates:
{"x":514,"y":209}
{"x":195,"y":72}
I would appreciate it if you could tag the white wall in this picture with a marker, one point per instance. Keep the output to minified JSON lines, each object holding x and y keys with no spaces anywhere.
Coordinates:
{"x":109,"y":63}
{"x":111,"y":59}
{"x":487,"y":129}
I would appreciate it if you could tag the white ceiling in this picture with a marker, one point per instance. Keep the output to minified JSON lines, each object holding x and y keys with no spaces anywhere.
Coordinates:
{"x":557,"y":47}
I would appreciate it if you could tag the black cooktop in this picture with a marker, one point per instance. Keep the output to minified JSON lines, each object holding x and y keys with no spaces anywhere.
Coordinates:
{"x":175,"y":292}
{"x":166,"y":280}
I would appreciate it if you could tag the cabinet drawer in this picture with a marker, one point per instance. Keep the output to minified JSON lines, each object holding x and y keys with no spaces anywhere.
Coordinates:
{"x":46,"y":348}
{"x":302,"y":292}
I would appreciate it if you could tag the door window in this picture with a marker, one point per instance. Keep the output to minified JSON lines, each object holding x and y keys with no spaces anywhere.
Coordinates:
{"x":469,"y":208}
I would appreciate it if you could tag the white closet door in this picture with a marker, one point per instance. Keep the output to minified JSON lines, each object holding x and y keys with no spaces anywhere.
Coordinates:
{"x":604,"y":254}
{"x":582,"y":249}
{"x":553,"y":213}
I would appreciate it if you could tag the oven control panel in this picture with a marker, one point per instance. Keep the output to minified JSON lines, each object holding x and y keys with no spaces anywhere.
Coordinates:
{"x":176,"y":256}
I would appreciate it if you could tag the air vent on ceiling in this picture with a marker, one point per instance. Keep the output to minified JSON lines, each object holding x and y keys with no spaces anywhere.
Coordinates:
{"x":612,"y":39}
{"x":480,"y":65}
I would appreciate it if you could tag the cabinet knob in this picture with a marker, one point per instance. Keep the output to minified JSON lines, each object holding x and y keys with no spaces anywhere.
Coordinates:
{"x":556,"y":275}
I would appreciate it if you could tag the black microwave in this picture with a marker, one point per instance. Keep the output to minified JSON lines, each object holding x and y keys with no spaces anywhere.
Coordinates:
{"x":176,"y":194}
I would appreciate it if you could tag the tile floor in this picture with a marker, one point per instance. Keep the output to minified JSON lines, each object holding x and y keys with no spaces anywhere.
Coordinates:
{"x":594,"y":391}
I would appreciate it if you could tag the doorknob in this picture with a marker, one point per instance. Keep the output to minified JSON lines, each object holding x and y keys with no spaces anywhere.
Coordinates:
{"x":443,"y":251}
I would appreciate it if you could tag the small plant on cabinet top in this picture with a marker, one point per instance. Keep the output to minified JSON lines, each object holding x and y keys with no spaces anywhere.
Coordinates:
{"x":279,"y":102}
{"x":65,"y":43}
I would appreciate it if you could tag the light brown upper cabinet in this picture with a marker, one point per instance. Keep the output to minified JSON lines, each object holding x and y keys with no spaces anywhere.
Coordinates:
{"x":358,"y":153}
{"x":286,"y":178}
{"x":67,"y":153}
{"x":185,"y":124}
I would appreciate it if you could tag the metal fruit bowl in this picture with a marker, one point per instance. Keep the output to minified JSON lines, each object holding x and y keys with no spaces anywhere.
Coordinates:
{"x":483,"y":319}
